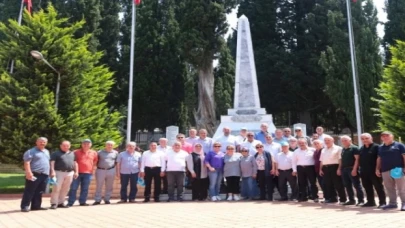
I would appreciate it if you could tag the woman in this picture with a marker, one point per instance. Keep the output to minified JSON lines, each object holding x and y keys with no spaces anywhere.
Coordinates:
{"x":232,"y":173}
{"x":248,"y":169}
{"x":265,"y":172}
{"x":198,"y":170}
{"x":318,"y":145}
{"x":215,"y":164}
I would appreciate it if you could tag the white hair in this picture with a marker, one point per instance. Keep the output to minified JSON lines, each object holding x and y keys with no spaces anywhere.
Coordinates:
{"x":317,"y":141}
{"x":264,"y":125}
{"x":110,"y":142}
{"x":368,"y":135}
{"x":328,"y":137}
{"x":42,"y":139}
{"x":131,"y":144}
{"x":163,"y":139}
{"x":346,"y":137}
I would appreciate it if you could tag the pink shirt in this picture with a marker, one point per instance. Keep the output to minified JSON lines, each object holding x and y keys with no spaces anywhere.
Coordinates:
{"x":187,"y":147}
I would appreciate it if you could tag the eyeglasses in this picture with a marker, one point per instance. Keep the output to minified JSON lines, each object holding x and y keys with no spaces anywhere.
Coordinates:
{"x":287,"y":131}
{"x":180,"y":137}
{"x":257,"y":147}
{"x":250,"y":135}
{"x":231,"y":149}
{"x":197,"y":146}
{"x":217,"y":146}
{"x":244,"y":151}
{"x":297,"y":130}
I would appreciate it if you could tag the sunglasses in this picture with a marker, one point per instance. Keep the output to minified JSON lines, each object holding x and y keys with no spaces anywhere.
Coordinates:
{"x":230,"y":149}
{"x":217,"y":146}
{"x":297,"y":130}
{"x":243,"y":151}
{"x":259,"y":147}
{"x":250,"y":135}
{"x":180,"y":137}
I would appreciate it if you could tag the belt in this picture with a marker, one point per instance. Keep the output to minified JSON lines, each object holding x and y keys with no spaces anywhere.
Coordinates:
{"x":305,"y":165}
{"x":330,"y":165}
{"x":106,"y":168}
{"x":37,"y":173}
{"x":155,"y":167}
{"x":65,"y":171}
{"x":285,"y":170}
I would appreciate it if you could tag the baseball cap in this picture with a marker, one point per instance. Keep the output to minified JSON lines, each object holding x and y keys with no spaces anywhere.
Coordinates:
{"x":386,"y":133}
{"x":243,"y":129}
{"x":86,"y":141}
{"x":284,"y":144}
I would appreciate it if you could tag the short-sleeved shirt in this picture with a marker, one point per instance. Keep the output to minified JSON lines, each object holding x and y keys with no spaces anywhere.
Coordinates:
{"x":64,"y":161}
{"x":391,"y":156}
{"x":129,"y":163}
{"x":331,"y":156}
{"x":274,"y":148}
{"x":261,"y":136}
{"x":39,"y":160}
{"x":284,"y":160}
{"x":86,"y":160}
{"x":232,"y":165}
{"x":348,"y":156}
{"x":368,"y":158}
{"x":107,"y":160}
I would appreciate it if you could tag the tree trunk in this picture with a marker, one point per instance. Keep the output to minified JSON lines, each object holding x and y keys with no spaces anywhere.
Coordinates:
{"x":205,"y":115}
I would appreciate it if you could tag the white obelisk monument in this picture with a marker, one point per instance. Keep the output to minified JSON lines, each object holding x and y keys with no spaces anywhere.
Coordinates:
{"x":246,"y":111}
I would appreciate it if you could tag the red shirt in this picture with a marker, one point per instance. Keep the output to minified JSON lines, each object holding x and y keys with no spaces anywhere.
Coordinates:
{"x":86,"y":161}
{"x":187,"y":147}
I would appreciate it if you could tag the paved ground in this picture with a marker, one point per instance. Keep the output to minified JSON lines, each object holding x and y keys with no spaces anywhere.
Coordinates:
{"x":205,"y":214}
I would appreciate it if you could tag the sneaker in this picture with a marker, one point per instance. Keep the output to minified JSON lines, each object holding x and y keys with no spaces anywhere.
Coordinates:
{"x":360,"y":204}
{"x":236,"y":198}
{"x":218,"y":198}
{"x":122,"y":201}
{"x":403,"y":207}
{"x":53,"y":206}
{"x":214,"y":198}
{"x":84,"y":204}
{"x":350,"y":202}
{"x":107,"y":202}
{"x":25,"y":209}
{"x":369,"y":204}
{"x":62,"y":205}
{"x":381,"y":205}
{"x":389,"y":206}
{"x":230,"y":198}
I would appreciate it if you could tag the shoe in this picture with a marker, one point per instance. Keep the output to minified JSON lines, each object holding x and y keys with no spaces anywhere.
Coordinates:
{"x":84,"y":204}
{"x":389,"y":206}
{"x":54,"y":206}
{"x":403,"y":207}
{"x":316,"y":200}
{"x":122,"y":201}
{"x":360,"y":204}
{"x":69,"y":205}
{"x":214,"y":198}
{"x":96,"y":203}
{"x":132,"y":201}
{"x":62,"y":206}
{"x":25,"y":209}
{"x":180,"y":199}
{"x":146,"y":200}
{"x":368,"y":204}
{"x":230,"y":198}
{"x":39,"y":209}
{"x":381,"y":205}
{"x":218,"y":198}
{"x":157,"y":200}
{"x":107,"y":202}
{"x":342,"y":203}
{"x":236,"y":198}
{"x":349,"y":203}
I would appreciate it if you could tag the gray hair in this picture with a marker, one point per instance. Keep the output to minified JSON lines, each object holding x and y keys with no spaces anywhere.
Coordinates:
{"x":110,"y":142}
{"x":368,"y":135}
{"x":328,"y":137}
{"x":163,"y":139}
{"x":42,"y":139}
{"x":317,"y":141}
{"x":131,"y":144}
{"x":346,"y":137}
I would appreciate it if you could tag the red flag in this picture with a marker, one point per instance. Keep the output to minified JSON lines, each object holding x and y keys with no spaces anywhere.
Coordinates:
{"x":137,"y":2}
{"x":29,"y":5}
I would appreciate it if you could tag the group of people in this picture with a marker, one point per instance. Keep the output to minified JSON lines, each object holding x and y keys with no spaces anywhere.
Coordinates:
{"x":249,"y":165}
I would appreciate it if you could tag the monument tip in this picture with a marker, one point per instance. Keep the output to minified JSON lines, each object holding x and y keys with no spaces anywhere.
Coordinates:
{"x":243,"y":17}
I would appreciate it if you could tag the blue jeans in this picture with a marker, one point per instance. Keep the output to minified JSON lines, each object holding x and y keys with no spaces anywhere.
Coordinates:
{"x":247,"y":187}
{"x":132,"y":179}
{"x":83,"y":180}
{"x":215,"y":182}
{"x":349,"y":182}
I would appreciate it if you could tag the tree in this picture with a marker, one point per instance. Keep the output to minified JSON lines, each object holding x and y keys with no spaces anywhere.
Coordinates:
{"x":27,"y":96}
{"x":395,"y":26}
{"x":337,"y":63}
{"x":391,"y":106}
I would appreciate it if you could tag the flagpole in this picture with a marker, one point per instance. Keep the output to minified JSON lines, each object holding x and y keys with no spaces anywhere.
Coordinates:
{"x":354,"y":71}
{"x":19,"y":23}
{"x":131,"y":73}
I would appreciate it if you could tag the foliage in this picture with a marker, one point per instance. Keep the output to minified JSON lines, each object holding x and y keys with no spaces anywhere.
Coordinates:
{"x":394,"y":28}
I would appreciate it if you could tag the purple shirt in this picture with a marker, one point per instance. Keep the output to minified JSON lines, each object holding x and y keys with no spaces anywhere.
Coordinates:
{"x":216,"y":160}
{"x":317,"y":156}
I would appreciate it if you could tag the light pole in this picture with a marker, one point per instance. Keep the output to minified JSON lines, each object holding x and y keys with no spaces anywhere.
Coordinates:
{"x":38,"y":55}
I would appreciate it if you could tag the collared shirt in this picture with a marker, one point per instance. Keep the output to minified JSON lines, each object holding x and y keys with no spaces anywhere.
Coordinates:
{"x":274,"y":148}
{"x":280,"y":141}
{"x":39,"y":160}
{"x":64,"y":161}
{"x":86,"y":160}
{"x":284,"y":160}
{"x":322,"y":137}
{"x":391,"y":156}
{"x":206,"y":144}
{"x":153,"y":159}
{"x":176,"y":161}
{"x":303,"y":158}
{"x":331,"y":156}
{"x":216,"y":160}
{"x":129,"y":163}
{"x":107,"y":160}
{"x":187,"y":147}
{"x":251,"y":146}
{"x":240,"y":139}
{"x":368,"y":158}
{"x":317,"y":156}
{"x":348,"y":154}
{"x":261,"y":136}
{"x":191,"y":140}
{"x":163,"y":149}
{"x":225,"y":141}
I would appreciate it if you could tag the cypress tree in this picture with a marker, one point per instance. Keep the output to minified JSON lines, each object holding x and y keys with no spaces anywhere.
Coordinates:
{"x":394,"y":28}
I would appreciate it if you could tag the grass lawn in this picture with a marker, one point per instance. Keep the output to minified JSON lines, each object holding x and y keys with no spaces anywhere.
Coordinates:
{"x":12,"y":182}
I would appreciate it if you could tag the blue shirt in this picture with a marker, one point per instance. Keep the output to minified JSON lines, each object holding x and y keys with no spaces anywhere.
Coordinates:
{"x":216,"y":160}
{"x":280,"y":141}
{"x":206,"y":144}
{"x":129,"y":163}
{"x":391,"y":156}
{"x":261,"y":136}
{"x":39,"y":160}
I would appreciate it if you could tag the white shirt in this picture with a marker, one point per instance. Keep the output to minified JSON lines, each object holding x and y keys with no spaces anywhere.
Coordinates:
{"x":153,"y":159}
{"x":225,"y":141}
{"x":251,"y":146}
{"x":284,"y":160}
{"x":303,"y":158}
{"x":322,"y":137}
{"x":163,"y":149}
{"x":274,"y":148}
{"x":331,"y":156}
{"x":176,"y":161}
{"x":240,"y":139}
{"x":192,"y":141}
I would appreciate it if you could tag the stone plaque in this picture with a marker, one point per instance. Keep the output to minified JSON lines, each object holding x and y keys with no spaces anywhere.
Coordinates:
{"x":171,"y":133}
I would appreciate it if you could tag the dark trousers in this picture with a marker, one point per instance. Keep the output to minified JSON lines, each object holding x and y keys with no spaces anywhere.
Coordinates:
{"x":132,"y":180}
{"x":164,"y":181}
{"x":275,"y":183}
{"x":265,"y":183}
{"x":199,"y":188}
{"x":319,"y":178}
{"x":33,"y":191}
{"x":83,"y":180}
{"x":232,"y":184}
{"x":333,"y":183}
{"x":285,"y":176}
{"x":152,"y":174}
{"x":370,"y":180}
{"x":175,"y":178}
{"x":349,"y":182}
{"x":306,"y":174}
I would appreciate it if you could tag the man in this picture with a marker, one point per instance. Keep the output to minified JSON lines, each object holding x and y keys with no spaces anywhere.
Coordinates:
{"x":330,"y":170}
{"x":391,"y":159}
{"x":36,"y":166}
{"x":175,"y":168}
{"x":304,"y":165}
{"x":227,"y":139}
{"x":321,"y":135}
{"x":64,"y":168}
{"x":293,"y":144}
{"x":250,"y":143}
{"x":184,"y":145}
{"x":128,"y":164}
{"x":279,"y":137}
{"x":105,"y":173}
{"x":192,"y":139}
{"x":299,"y":134}
{"x":350,"y":171}
{"x":368,"y":162}
{"x":205,"y":141}
{"x":274,"y":149}
{"x":261,"y":135}
{"x":242,"y":137}
{"x":163,"y":147}
{"x":287,"y":133}
{"x":153,"y":167}
{"x":283,"y":163}
{"x":86,"y":159}
{"x":318,"y":146}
